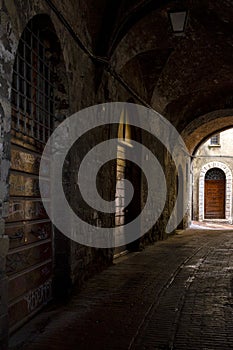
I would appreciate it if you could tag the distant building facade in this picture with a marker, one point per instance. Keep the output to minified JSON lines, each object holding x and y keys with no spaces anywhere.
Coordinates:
{"x":212,"y":169}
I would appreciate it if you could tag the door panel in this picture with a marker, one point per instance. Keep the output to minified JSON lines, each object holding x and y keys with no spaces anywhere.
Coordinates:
{"x":28,"y":291}
{"x":214,"y":199}
{"x":30,"y":258}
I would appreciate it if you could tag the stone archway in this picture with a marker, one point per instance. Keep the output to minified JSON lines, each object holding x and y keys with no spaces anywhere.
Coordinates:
{"x":228,"y":174}
{"x":39,"y":99}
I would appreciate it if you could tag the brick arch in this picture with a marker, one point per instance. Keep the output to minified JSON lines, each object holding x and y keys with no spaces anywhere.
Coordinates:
{"x":228,"y":174}
{"x":195,"y":133}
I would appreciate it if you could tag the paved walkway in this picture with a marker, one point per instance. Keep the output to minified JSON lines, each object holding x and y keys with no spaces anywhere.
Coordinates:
{"x":205,"y":225}
{"x":176,"y":294}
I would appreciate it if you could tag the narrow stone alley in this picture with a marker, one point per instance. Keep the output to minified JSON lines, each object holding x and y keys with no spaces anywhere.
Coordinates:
{"x":176,"y":294}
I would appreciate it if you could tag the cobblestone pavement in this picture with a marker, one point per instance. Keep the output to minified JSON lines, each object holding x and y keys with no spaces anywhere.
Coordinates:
{"x":176,"y":294}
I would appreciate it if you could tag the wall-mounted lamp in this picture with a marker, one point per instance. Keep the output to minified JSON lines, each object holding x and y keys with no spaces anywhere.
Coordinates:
{"x":178,"y":21}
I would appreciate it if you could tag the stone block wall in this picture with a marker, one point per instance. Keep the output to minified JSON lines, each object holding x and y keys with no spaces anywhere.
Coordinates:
{"x":87,"y":84}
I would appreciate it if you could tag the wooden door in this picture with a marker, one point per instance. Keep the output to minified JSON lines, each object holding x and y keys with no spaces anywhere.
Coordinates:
{"x":29,"y":262}
{"x":215,"y":199}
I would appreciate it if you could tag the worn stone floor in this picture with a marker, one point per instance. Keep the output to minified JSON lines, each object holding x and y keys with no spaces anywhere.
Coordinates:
{"x":176,"y":294}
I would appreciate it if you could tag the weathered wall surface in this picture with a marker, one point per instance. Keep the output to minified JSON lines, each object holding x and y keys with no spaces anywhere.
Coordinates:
{"x":87,"y":84}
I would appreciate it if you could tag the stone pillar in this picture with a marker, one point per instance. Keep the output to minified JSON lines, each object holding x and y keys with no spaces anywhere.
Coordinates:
{"x":4,"y":245}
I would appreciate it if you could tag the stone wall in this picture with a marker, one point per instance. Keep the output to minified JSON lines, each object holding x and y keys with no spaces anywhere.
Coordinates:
{"x":87,"y":84}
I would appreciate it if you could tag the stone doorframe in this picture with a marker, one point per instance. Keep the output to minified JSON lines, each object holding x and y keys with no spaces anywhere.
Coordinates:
{"x":228,"y":201}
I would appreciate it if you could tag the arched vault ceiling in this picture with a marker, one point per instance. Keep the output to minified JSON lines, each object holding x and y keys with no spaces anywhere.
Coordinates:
{"x":192,"y":67}
{"x":200,"y":129}
{"x":182,"y":77}
{"x":110,"y":21}
{"x":148,"y":34}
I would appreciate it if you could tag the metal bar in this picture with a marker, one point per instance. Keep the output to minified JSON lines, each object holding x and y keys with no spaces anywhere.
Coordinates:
{"x":33,"y":119}
{"x":17,"y":88}
{"x":25,"y":89}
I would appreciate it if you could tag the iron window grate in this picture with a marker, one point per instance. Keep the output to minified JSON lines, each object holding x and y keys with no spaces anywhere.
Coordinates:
{"x":32,"y":88}
{"x":215,"y":174}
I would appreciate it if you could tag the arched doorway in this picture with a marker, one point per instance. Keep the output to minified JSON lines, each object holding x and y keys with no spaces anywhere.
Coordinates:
{"x":215,"y":190}
{"x":220,"y":174}
{"x":37,"y":97}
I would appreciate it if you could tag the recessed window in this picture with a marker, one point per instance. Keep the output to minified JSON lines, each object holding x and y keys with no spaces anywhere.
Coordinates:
{"x":32,"y":88}
{"x":215,"y":140}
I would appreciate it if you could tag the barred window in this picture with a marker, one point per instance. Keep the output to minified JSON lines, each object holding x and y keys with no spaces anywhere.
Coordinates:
{"x":215,"y":174}
{"x":32,"y":88}
{"x":215,"y":140}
